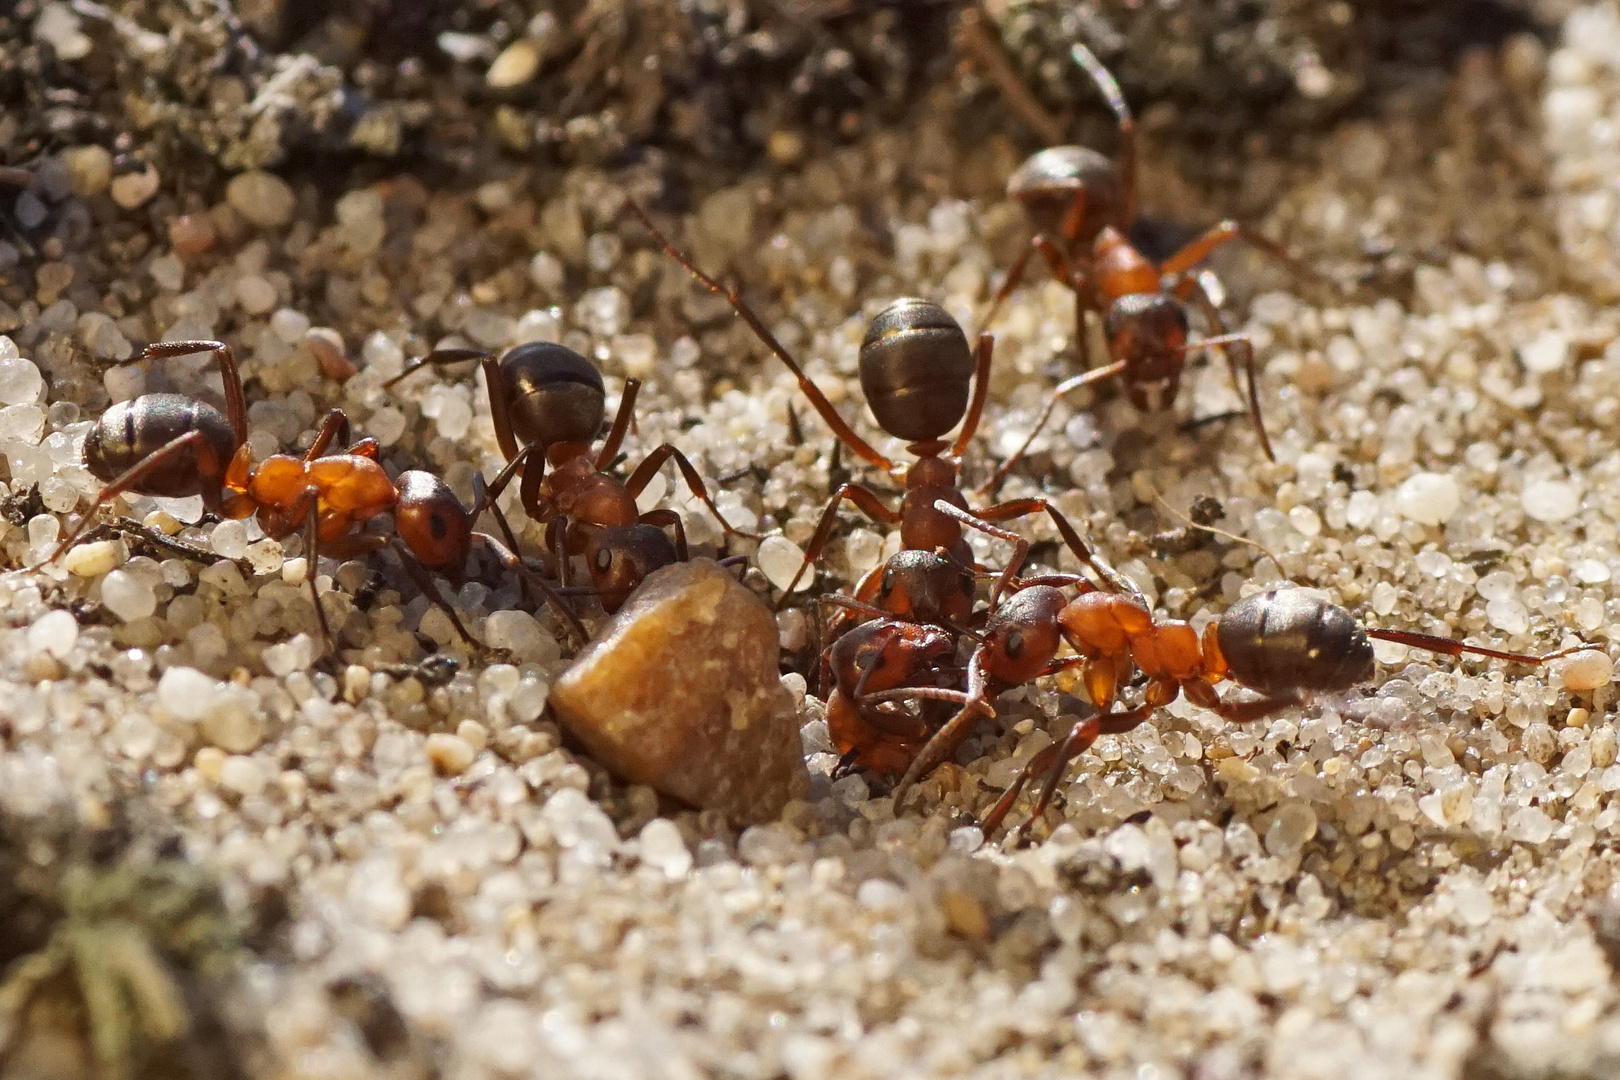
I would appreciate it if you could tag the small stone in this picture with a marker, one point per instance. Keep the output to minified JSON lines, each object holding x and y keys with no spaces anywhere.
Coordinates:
{"x":294,"y":654}
{"x":20,"y":382}
{"x":134,"y":189}
{"x":263,"y":198}
{"x":1428,"y":498}
{"x":265,"y":556}
{"x":255,"y":294}
{"x":90,"y":167}
{"x":663,"y":848}
{"x":1586,"y":670}
{"x":1291,"y":829}
{"x":326,"y":345}
{"x":521,"y":634}
{"x":242,"y":775}
{"x":680,"y":691}
{"x":1546,"y":354}
{"x":450,"y":754}
{"x":191,"y":234}
{"x":515,"y":66}
{"x":779,"y":559}
{"x":187,"y":694}
{"x":1530,"y":826}
{"x":54,"y":633}
{"x":93,"y":560}
{"x":229,"y":539}
{"x":127,"y":596}
{"x":1551,"y":501}
{"x":58,"y":26}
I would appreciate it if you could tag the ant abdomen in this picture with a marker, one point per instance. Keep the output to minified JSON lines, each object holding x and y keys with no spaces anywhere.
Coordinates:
{"x":556,"y":395}
{"x":1050,"y":184}
{"x":1288,"y":639}
{"x":131,"y":431}
{"x":916,"y":370}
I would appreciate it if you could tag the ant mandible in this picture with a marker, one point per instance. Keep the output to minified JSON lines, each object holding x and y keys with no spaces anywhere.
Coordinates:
{"x":1081,"y":204}
{"x":1285,"y":644}
{"x":915,"y":370}
{"x":174,"y":446}
{"x":548,"y":404}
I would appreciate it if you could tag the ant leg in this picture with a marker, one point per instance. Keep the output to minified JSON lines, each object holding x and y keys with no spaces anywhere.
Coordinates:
{"x":621,"y":424}
{"x":655,"y":460}
{"x":818,"y":400}
{"x":1067,"y":386}
{"x":128,"y":481}
{"x":1112,"y":579}
{"x":981,"y":390}
{"x":1050,"y":760}
{"x":943,"y":743}
{"x":868,"y":503}
{"x":1109,"y":87}
{"x":235,"y":399}
{"x":1020,"y":545}
{"x":1225,"y":232}
{"x":509,"y":561}
{"x":1230,"y":349}
{"x":499,"y":409}
{"x":302,"y":510}
{"x":334,"y":427}
{"x":1452,"y":647}
{"x":1015,"y":274}
{"x":665,"y":518}
{"x":976,"y":39}
{"x":429,"y":588}
{"x":1203,"y":695}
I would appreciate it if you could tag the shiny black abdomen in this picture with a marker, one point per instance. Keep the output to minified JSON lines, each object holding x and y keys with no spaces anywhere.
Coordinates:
{"x":1287,"y":639}
{"x":133,"y":430}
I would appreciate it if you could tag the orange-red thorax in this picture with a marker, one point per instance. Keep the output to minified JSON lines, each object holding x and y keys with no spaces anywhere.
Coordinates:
{"x":348,"y":489}
{"x":587,"y":496}
{"x":1118,"y":269}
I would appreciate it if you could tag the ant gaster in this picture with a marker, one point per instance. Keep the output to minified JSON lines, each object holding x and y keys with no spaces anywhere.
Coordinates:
{"x":1285,"y":644}
{"x":548,"y":403}
{"x":920,"y":379}
{"x":175,"y":446}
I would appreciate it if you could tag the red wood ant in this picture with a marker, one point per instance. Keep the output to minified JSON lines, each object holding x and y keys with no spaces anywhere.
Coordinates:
{"x":886,"y":654}
{"x":1081,"y":204}
{"x":915,"y":369}
{"x":1285,"y":644}
{"x":176,"y":446}
{"x":548,"y":403}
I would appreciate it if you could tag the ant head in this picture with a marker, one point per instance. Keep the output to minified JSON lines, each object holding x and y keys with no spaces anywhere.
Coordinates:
{"x":889,"y":653}
{"x":1070,"y":193}
{"x":620,"y":558}
{"x":916,"y":370}
{"x":1149,"y":332}
{"x":554,"y":394}
{"x":1021,"y":635}
{"x":431,"y":520}
{"x":927,"y":587}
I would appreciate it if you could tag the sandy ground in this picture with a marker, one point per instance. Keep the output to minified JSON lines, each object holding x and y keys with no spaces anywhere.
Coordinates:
{"x":1409,"y":880}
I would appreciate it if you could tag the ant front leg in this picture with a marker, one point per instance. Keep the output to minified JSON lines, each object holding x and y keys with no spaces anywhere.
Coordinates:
{"x":865,"y":500}
{"x":665,"y":518}
{"x":1231,"y":345}
{"x":943,"y":743}
{"x":335,"y":428}
{"x":303,"y":510}
{"x":644,"y":473}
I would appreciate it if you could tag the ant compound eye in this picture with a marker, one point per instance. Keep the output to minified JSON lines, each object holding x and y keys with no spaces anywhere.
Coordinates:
{"x":604,"y":560}
{"x":1013,"y":646}
{"x":887,"y":585}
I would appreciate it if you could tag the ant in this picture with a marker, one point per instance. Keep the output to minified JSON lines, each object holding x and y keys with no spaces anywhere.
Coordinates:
{"x":1081,"y":203}
{"x":1284,"y":643}
{"x":915,"y":370}
{"x":886,"y":654}
{"x":175,"y":446}
{"x":548,"y":404}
